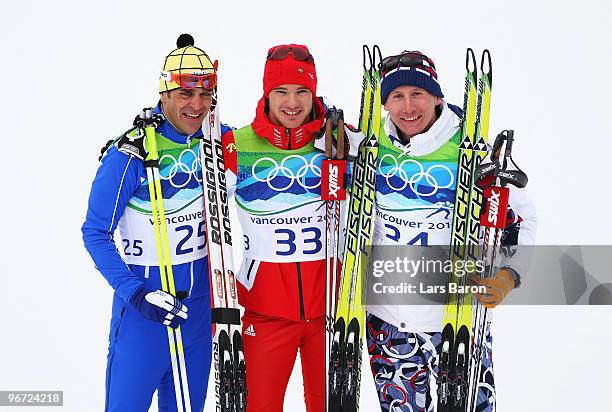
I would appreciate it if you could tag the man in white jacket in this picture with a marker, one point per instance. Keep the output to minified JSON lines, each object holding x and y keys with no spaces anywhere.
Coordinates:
{"x":415,"y":192}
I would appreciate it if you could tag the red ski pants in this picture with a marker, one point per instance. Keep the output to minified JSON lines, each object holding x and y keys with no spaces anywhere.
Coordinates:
{"x":270,"y":349}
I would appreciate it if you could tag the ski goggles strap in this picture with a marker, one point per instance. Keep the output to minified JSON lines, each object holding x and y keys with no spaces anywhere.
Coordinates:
{"x":191,"y":80}
{"x":281,"y":53}
{"x":408,"y":59}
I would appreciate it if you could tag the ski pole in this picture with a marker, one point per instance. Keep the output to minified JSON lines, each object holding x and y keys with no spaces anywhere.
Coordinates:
{"x":177,"y":356}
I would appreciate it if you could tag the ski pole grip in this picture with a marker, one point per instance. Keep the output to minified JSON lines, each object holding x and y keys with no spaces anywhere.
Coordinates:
{"x":509,"y":141}
{"x":341,"y":137}
{"x":499,"y":141}
{"x":328,"y":134}
{"x":226,"y":316}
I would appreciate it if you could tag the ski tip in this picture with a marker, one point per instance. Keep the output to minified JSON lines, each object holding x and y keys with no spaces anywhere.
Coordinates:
{"x":367,"y":58}
{"x":376,"y":54}
{"x":470,"y":60}
{"x":485,"y":62}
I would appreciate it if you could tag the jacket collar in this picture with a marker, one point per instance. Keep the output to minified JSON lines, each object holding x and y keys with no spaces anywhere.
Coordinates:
{"x":282,"y":137}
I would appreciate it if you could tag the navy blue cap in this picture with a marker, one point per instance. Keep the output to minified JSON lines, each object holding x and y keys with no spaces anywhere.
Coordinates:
{"x":422,"y":75}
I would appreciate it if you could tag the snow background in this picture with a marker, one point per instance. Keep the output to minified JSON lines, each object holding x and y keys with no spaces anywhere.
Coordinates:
{"x":76,"y":73}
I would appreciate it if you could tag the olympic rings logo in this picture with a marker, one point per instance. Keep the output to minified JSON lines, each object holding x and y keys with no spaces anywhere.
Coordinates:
{"x":188,"y":163}
{"x":284,"y":170}
{"x":419,"y":177}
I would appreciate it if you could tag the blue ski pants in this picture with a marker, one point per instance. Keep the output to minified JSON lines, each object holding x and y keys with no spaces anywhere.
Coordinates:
{"x":139,"y":358}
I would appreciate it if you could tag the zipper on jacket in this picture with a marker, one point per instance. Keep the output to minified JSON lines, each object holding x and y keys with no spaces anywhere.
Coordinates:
{"x":299,"y":279}
{"x":288,"y":134}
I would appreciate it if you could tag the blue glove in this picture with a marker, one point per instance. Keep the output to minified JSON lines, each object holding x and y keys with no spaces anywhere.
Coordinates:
{"x":160,"y":306}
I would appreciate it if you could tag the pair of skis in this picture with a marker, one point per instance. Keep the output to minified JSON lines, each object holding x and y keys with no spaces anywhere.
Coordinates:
{"x":228,"y":354}
{"x":344,"y":341}
{"x":481,"y":204}
{"x":454,"y":376}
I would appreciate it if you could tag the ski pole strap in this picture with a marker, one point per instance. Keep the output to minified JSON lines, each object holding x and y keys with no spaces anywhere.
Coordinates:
{"x":227,"y":316}
{"x":516,"y":178}
{"x":133,"y":142}
{"x":487,"y":173}
{"x":509,"y":173}
{"x":147,"y":122}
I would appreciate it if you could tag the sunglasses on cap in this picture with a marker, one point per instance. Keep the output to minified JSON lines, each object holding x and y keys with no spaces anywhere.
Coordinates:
{"x":407,"y":59}
{"x":281,"y":53}
{"x":191,"y":80}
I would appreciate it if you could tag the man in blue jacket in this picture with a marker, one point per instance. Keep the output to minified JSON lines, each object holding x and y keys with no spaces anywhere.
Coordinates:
{"x":139,"y":359}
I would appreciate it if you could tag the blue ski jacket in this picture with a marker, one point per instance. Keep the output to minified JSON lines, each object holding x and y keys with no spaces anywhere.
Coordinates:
{"x":119,"y":198}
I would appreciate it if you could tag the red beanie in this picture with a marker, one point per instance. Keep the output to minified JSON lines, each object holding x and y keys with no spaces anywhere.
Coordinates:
{"x":289,"y":70}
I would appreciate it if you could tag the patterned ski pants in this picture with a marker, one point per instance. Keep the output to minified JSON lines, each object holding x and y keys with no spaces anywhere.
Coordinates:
{"x":405,"y":367}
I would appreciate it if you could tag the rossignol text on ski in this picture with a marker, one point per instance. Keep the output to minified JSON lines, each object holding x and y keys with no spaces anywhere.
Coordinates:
{"x":228,"y":357}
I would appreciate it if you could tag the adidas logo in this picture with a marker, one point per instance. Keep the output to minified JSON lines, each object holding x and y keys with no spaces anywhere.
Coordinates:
{"x":250,"y":330}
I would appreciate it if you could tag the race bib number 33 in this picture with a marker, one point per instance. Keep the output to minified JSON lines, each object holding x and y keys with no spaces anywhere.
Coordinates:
{"x":285,"y":237}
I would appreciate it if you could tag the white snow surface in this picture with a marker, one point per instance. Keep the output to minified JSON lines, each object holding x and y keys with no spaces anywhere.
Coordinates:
{"x":75,"y":74}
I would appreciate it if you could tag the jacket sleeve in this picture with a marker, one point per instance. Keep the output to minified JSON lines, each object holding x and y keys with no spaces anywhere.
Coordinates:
{"x":114,"y":184}
{"x":518,"y":257}
{"x":230,"y":159}
{"x":524,"y":207}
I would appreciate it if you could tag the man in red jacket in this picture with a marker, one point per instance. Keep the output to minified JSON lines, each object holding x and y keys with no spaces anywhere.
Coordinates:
{"x":275,"y":171}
